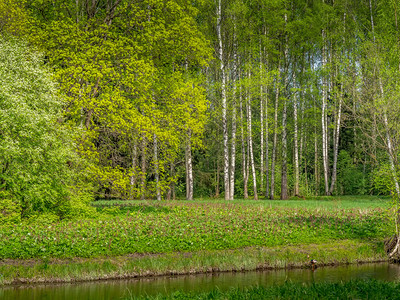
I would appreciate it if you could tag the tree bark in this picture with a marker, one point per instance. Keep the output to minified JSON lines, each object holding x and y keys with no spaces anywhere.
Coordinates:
{"x":284,"y":186}
{"x":133,"y":175}
{"x":250,"y":135}
{"x":244,"y":162}
{"x":296,"y":148}
{"x":189,"y":168}
{"x":275,"y":141}
{"x":233,"y":140}
{"x":143,"y":169}
{"x":261,"y":123}
{"x":156,"y":168}
{"x":224,"y":102}
{"x":324,"y":119}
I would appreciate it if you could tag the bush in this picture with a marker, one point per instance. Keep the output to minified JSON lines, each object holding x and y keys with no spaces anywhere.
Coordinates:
{"x":10,"y":211}
{"x":38,"y":162}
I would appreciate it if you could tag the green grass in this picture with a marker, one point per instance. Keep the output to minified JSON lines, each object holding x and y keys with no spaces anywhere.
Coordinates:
{"x":356,"y":289}
{"x":196,"y":236}
{"x":335,"y":202}
{"x":162,"y":227}
{"x":78,"y":269}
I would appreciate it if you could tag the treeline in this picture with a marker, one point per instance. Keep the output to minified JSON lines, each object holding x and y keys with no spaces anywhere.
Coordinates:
{"x":175,"y":98}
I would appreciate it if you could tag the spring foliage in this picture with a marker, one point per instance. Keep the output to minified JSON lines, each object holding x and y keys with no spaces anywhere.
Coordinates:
{"x":37,"y":157}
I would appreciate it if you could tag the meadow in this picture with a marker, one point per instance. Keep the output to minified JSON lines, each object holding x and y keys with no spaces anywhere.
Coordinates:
{"x":126,"y":239}
{"x":162,"y":227}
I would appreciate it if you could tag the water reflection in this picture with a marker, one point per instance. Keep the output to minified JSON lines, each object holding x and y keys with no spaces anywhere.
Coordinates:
{"x":117,"y":289}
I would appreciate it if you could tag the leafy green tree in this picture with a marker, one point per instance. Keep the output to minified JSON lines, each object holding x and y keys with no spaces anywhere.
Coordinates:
{"x":38,"y":162}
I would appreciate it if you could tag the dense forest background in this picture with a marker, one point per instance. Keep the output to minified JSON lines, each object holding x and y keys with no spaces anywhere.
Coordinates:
{"x":174,"y":99}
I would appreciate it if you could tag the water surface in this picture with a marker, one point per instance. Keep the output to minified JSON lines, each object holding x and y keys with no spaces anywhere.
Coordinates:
{"x":117,"y":289}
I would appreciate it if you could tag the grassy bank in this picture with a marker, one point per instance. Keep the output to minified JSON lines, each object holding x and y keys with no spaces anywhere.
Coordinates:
{"x":357,"y":289}
{"x":206,"y":261}
{"x":131,"y":239}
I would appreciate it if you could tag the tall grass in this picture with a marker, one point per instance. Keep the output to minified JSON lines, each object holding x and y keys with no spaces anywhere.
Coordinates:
{"x":356,"y":289}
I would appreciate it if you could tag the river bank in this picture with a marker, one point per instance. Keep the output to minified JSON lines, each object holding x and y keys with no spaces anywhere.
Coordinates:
{"x":17,"y":271}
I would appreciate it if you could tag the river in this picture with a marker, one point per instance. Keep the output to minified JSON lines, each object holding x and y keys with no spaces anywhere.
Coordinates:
{"x":117,"y":289}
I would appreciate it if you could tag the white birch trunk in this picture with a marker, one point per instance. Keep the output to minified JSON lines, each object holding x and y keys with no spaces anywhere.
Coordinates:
{"x":224,"y":103}
{"x":336,"y":147}
{"x":250,"y":135}
{"x":244,"y":163}
{"x":266,"y":146}
{"x":296,"y":148}
{"x":324,"y":119}
{"x":143,"y":169}
{"x":189,"y":168}
{"x":261,"y":123}
{"x":233,"y":141}
{"x":284,"y":187}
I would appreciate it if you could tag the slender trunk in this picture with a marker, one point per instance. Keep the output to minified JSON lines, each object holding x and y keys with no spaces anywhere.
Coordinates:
{"x":296,"y":148}
{"x":217,"y":180}
{"x":246,"y":193}
{"x":266,"y":146}
{"x":133,"y":176}
{"x":336,"y":144}
{"x":261,"y":123}
{"x":171,"y":190}
{"x":250,"y":135}
{"x":156,"y":168}
{"x":275,"y":141}
{"x":189,"y":169}
{"x":244,"y":162}
{"x":233,"y":141}
{"x":224,"y":103}
{"x":324,"y":118}
{"x":143,"y":169}
{"x":284,"y":187}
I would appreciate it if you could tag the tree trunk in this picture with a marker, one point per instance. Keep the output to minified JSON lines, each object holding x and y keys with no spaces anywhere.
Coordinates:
{"x":336,"y":145}
{"x":296,"y":148}
{"x":284,"y":187}
{"x":244,"y":162}
{"x":233,"y":141}
{"x":156,"y":168}
{"x":250,"y":135}
{"x":189,"y":169}
{"x":261,"y":123}
{"x":275,"y":141}
{"x":266,"y":146}
{"x":324,"y":119}
{"x":133,"y":176}
{"x":224,"y":103}
{"x":143,"y":169}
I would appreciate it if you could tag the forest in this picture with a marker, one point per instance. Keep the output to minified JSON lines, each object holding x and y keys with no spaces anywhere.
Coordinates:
{"x":166,"y":99}
{"x":144,"y":138}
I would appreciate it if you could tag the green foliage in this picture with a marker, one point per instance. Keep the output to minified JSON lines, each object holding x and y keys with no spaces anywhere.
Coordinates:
{"x":170,"y":227}
{"x":13,"y":17}
{"x":382,"y":180}
{"x":351,"y":180}
{"x":38,"y":163}
{"x":129,"y":72}
{"x":10,"y":210}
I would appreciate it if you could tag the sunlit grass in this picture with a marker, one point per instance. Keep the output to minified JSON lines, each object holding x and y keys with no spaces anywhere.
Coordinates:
{"x":355,"y":289}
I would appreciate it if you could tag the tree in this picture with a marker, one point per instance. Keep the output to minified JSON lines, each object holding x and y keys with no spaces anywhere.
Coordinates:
{"x":38,"y":166}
